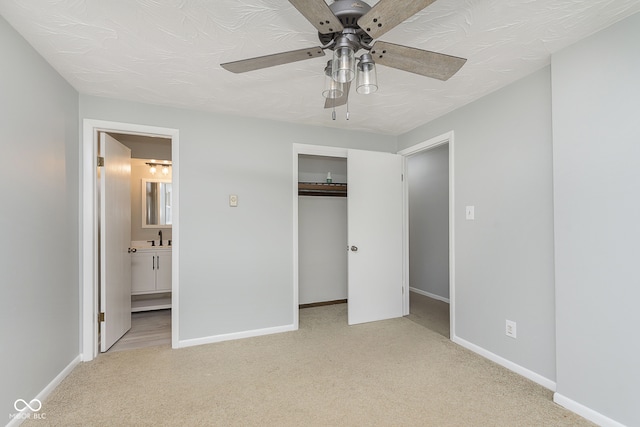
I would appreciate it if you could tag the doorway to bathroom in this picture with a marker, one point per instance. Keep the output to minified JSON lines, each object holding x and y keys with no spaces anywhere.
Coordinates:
{"x":150,"y":243}
{"x":110,"y":304}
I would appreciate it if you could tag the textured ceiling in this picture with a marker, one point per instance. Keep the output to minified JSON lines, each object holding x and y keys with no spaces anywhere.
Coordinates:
{"x":168,"y":52}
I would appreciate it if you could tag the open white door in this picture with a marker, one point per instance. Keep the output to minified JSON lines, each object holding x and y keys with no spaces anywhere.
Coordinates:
{"x":374,"y":235}
{"x":115,"y":239}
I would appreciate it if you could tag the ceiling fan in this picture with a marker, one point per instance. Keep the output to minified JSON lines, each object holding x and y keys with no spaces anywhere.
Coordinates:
{"x":347,"y":27}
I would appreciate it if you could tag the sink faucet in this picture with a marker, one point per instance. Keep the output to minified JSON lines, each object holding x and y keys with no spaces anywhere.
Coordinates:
{"x":160,"y":234}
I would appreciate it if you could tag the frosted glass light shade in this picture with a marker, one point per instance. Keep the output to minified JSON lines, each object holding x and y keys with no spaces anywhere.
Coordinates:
{"x":344,"y":64}
{"x":367,"y":81}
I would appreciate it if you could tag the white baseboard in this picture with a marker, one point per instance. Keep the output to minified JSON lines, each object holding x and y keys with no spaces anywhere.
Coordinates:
{"x":585,"y":412}
{"x":235,"y":336}
{"x":26,"y":413}
{"x":429,"y":294}
{"x":536,"y":378}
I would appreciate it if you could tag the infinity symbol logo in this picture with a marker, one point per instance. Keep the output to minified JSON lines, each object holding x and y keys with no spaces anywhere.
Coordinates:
{"x":34,"y":406}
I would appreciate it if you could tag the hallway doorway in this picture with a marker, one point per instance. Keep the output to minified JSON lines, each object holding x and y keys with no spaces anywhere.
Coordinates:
{"x":429,"y":234}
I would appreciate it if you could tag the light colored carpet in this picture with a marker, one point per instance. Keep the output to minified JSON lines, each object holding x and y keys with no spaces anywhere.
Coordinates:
{"x":430,"y":313}
{"x":389,"y":373}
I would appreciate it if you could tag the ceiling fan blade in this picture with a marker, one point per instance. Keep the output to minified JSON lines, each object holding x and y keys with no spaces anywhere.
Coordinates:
{"x":272,"y":60}
{"x":430,"y":64}
{"x":318,"y":13}
{"x":337,"y":102}
{"x":386,"y":14}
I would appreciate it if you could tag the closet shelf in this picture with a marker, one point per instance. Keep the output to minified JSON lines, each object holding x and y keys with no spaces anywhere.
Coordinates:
{"x":322,"y":189}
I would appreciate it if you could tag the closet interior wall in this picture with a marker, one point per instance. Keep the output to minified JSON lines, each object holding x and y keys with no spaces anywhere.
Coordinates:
{"x":322,"y":233}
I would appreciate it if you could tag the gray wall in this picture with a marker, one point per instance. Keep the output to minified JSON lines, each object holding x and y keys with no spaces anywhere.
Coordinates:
{"x":315,"y":168}
{"x":504,"y":259}
{"x":236,"y":264}
{"x":146,"y":147}
{"x":428,"y":175}
{"x":39,"y":176}
{"x":596,"y":133}
{"x":322,"y":249}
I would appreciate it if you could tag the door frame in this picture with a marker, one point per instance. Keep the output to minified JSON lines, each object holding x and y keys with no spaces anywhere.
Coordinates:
{"x":312,"y":150}
{"x":446,"y":138}
{"x":89,"y":228}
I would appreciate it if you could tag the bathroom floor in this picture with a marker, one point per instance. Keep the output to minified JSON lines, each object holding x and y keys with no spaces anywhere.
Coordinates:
{"x":148,"y":328}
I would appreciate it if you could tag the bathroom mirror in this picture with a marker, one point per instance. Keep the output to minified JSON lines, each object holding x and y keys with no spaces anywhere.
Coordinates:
{"x":156,"y":203}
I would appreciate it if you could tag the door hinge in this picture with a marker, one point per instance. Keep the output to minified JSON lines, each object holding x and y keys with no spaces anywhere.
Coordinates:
{"x":101,"y":317}
{"x":402,"y":177}
{"x":100,"y":162}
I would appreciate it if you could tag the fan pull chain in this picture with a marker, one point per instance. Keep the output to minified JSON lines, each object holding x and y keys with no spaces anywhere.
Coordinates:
{"x":347,"y":109}
{"x":333,"y":113}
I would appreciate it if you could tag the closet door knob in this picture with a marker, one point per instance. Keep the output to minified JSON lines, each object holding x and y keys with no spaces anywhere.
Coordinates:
{"x":354,"y":249}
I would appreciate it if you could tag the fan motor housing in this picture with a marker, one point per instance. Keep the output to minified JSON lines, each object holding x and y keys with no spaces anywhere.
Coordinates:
{"x":348,"y":12}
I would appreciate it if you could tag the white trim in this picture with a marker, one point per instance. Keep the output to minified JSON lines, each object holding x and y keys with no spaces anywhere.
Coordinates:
{"x":16,"y":421}
{"x":585,"y":412}
{"x":89,"y":231}
{"x":429,"y":294}
{"x":312,"y":150}
{"x":446,"y":138}
{"x":235,"y":336}
{"x":428,"y":144}
{"x":294,"y":187}
{"x":319,"y":150}
{"x":452,"y":237}
{"x":405,"y":238}
{"x":536,"y":378}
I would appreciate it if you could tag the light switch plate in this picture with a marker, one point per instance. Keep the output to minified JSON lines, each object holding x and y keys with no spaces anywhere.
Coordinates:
{"x":233,"y":200}
{"x":470,"y":212}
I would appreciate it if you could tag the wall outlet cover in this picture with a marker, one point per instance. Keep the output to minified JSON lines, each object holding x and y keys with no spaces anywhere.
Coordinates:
{"x":233,"y":200}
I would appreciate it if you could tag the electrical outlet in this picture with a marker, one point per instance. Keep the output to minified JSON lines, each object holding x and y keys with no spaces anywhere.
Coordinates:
{"x":233,"y":200}
{"x":511,"y":329}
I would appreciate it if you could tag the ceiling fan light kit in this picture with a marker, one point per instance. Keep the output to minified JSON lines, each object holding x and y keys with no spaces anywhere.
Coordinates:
{"x":367,"y":76}
{"x":332,"y":88}
{"x":347,"y":27}
{"x":344,"y":56}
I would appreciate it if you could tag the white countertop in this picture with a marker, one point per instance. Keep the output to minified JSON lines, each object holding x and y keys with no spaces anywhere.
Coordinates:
{"x":143,"y":245}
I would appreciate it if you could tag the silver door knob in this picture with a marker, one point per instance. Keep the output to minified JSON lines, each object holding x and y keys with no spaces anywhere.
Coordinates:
{"x":354,"y":249}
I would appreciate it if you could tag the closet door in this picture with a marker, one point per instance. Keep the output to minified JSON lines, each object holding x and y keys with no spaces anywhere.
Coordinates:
{"x":374,"y":236}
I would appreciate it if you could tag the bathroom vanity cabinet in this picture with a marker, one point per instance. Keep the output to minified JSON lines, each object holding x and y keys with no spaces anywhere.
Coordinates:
{"x":151,"y":278}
